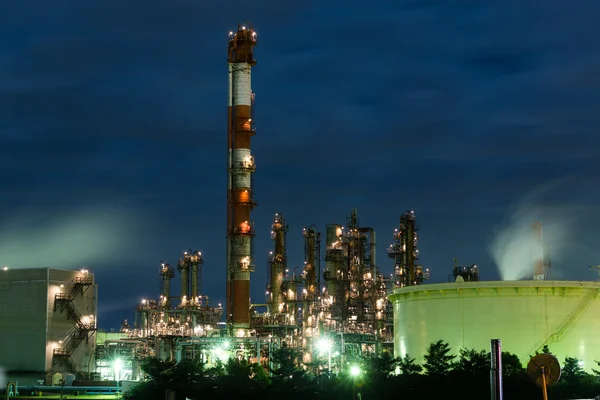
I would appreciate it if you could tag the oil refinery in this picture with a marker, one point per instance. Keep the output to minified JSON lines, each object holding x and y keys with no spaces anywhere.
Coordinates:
{"x":342,"y":304}
{"x":332,"y":313}
{"x":332,"y":321}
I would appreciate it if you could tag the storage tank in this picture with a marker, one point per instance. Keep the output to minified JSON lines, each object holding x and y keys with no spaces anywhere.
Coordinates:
{"x":526,"y":315}
{"x":57,"y":379}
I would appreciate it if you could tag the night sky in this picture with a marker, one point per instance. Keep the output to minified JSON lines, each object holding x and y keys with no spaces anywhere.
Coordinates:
{"x":481,"y":115}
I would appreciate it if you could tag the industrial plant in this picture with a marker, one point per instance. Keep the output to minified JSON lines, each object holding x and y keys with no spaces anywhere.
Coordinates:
{"x":342,"y":304}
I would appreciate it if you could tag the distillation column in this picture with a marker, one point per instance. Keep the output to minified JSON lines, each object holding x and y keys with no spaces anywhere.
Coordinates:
{"x":184,"y":269}
{"x":334,"y":260}
{"x":312,"y":245}
{"x":166,"y":274}
{"x":194,"y":261}
{"x":278,"y":264}
{"x":311,"y":292}
{"x":404,"y":252}
{"x":240,"y":170}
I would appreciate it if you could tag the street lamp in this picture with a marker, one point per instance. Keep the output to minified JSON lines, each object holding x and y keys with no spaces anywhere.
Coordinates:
{"x":117,"y":365}
{"x":324,"y":345}
{"x":354,"y":373}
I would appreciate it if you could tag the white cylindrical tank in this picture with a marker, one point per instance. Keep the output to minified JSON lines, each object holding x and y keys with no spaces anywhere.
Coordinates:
{"x":526,"y":315}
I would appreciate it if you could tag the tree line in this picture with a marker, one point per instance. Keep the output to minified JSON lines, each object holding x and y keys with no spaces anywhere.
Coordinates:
{"x":465,"y":376}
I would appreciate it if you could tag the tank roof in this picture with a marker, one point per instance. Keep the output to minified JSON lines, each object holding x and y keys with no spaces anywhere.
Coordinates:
{"x":499,"y":285}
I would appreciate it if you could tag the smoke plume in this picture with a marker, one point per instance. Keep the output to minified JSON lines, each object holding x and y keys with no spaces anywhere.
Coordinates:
{"x":31,"y":240}
{"x":512,"y":247}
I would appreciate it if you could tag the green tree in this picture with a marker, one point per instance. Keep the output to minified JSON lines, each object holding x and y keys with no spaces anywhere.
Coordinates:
{"x":408,"y":366}
{"x":286,"y":360}
{"x":472,"y":366}
{"x":511,"y":365}
{"x":381,"y":367}
{"x":438,"y":361}
{"x":239,"y":379}
{"x":185,"y":378}
{"x":377,"y":372}
{"x":154,"y":367}
{"x":517,"y":384}
{"x":473,"y":363}
{"x":595,"y":371}
{"x":572,"y":371}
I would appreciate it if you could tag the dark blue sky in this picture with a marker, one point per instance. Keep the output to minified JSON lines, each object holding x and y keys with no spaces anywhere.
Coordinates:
{"x":481,"y":115}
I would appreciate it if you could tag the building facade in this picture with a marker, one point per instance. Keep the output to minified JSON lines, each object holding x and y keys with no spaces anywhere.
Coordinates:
{"x":48,"y":322}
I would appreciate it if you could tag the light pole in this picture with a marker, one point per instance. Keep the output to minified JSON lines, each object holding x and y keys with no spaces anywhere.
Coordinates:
{"x":324,"y":345}
{"x":354,"y":373}
{"x":117,"y":365}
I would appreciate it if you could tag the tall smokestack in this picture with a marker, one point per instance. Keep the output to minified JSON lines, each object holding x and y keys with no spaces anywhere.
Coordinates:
{"x":240,"y":199}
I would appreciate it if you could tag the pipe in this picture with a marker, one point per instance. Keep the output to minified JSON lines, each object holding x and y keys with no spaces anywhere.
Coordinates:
{"x":140,"y":341}
{"x":258,"y":305}
{"x":496,"y":369}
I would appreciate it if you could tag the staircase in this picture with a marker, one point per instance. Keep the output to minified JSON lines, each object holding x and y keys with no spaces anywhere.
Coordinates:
{"x":80,"y":331}
{"x":557,"y":334}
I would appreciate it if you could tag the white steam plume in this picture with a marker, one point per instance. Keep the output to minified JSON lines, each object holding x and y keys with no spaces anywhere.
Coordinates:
{"x":513,"y":243}
{"x":31,"y":240}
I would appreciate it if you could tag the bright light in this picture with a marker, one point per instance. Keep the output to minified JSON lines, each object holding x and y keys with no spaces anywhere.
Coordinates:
{"x":354,"y":370}
{"x":226,"y":344}
{"x":324,"y":345}
{"x":5,"y":268}
{"x":117,"y":365}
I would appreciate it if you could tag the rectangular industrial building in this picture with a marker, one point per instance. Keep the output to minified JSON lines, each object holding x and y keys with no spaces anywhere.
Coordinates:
{"x":47,"y":322}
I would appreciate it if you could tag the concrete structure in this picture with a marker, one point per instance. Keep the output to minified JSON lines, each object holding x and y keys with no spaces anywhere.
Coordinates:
{"x":47,"y":320}
{"x":526,"y":315}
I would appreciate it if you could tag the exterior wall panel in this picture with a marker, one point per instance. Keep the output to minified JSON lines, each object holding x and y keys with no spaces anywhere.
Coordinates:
{"x":30,"y":329}
{"x":22,"y":322}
